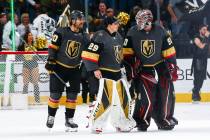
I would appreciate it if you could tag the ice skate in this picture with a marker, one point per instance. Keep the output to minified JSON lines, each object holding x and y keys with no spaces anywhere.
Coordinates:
{"x":96,"y":130}
{"x":118,"y":129}
{"x":50,"y":122}
{"x":142,"y":128}
{"x":70,"y":125}
{"x":174,"y":121}
{"x":163,"y":125}
{"x":196,"y":98}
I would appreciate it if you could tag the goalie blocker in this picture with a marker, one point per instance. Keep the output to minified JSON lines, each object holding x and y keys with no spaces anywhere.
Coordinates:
{"x":113,"y":101}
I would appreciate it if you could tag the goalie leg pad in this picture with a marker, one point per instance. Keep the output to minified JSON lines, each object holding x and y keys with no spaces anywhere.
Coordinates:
{"x":102,"y":106}
{"x":122,"y":108}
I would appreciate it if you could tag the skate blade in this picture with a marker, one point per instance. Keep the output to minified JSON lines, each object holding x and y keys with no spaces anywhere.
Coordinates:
{"x":123,"y":130}
{"x":49,"y":130}
{"x":97,"y":131}
{"x":195,"y":102}
{"x":71,"y":129}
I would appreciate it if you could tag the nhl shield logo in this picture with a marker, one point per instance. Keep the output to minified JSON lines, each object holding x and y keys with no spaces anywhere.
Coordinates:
{"x":147,"y":48}
{"x":72,"y":48}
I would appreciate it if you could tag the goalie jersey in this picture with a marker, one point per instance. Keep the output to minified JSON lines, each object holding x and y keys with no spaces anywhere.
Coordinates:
{"x":106,"y":46}
{"x":150,"y":47}
{"x":43,"y":26}
{"x":66,"y":47}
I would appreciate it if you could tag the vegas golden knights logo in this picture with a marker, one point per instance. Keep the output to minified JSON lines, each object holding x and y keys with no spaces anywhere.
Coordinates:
{"x":148,"y":48}
{"x":118,"y":53}
{"x":72,"y":48}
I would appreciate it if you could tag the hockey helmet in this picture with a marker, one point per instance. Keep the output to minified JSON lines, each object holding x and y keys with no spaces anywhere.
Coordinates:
{"x":110,"y":20}
{"x":50,"y":24}
{"x":144,"y":18}
{"x":75,"y":14}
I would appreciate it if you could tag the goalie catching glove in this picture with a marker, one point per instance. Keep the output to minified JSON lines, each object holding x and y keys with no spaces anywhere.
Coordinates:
{"x":173,"y":71}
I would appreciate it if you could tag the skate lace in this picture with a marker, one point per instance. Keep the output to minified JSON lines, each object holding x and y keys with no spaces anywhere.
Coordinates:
{"x":71,"y":121}
{"x":50,"y":120}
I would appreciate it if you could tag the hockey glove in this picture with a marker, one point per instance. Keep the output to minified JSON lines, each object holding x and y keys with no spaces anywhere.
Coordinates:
{"x":173,"y":71}
{"x":50,"y":65}
{"x":137,"y":67}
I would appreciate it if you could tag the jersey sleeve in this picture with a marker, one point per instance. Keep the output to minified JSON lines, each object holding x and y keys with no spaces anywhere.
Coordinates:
{"x":128,"y":56}
{"x":55,"y":44}
{"x":91,"y":54}
{"x":168,"y":49}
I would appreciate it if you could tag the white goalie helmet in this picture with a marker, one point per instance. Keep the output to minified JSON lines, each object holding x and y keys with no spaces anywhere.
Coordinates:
{"x":143,"y":18}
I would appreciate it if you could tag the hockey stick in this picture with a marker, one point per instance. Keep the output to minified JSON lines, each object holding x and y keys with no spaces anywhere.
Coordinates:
{"x":59,"y":78}
{"x":61,"y":17}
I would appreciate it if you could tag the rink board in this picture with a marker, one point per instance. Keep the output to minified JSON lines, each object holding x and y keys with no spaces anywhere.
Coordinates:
{"x":180,"y":98}
{"x":183,"y":86}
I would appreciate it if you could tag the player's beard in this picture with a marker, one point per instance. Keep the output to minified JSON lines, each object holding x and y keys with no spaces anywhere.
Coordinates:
{"x":79,"y":26}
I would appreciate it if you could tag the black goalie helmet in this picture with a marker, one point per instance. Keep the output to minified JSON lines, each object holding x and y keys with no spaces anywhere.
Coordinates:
{"x":143,"y":18}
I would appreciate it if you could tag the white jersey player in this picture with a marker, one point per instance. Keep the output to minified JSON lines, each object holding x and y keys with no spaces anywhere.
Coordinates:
{"x":44,"y":27}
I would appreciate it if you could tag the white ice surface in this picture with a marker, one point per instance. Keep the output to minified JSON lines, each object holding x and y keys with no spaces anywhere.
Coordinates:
{"x":194,"y":124}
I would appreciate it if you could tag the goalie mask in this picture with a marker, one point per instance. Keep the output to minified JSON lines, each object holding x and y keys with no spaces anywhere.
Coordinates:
{"x":144,"y":18}
{"x":50,"y":24}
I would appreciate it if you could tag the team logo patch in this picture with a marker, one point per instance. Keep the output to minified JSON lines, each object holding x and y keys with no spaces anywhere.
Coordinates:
{"x":148,"y":48}
{"x":118,"y":53}
{"x":72,"y":49}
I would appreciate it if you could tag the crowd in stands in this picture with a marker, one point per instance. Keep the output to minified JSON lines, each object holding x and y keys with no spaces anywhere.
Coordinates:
{"x":172,"y":17}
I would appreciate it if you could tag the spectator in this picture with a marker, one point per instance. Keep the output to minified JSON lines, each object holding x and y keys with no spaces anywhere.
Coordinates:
{"x":25,"y":24}
{"x":3,"y":21}
{"x":99,"y":17}
{"x":110,"y":12}
{"x":7,"y":40}
{"x":176,"y":24}
{"x":199,"y":65}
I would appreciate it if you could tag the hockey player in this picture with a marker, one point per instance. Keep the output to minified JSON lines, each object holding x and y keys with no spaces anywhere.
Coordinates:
{"x":64,"y":59}
{"x":43,"y":26}
{"x":103,"y":59}
{"x":147,"y":49}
